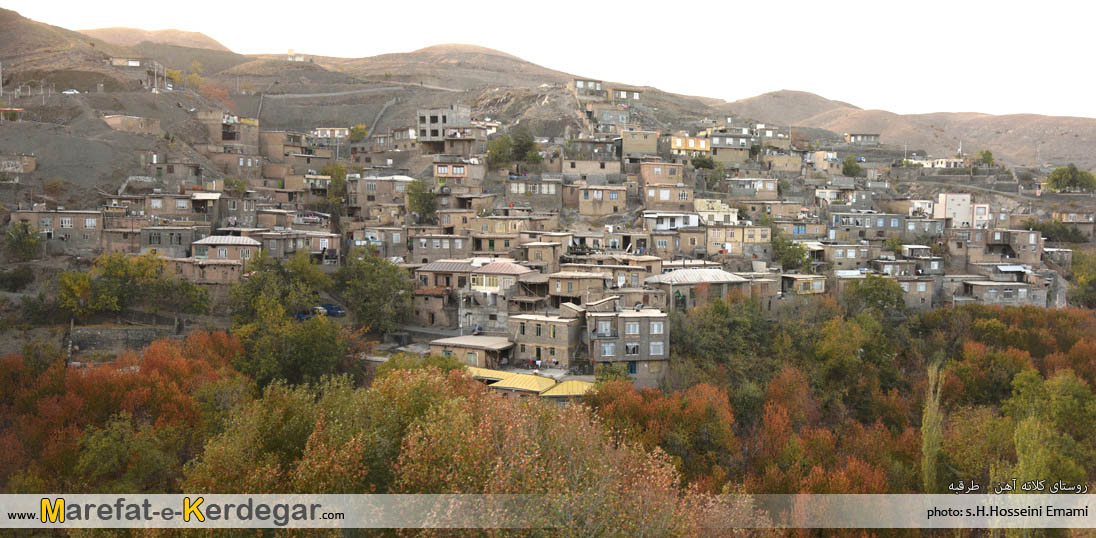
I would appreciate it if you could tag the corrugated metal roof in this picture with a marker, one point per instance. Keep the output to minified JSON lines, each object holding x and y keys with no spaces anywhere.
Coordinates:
{"x":568,"y":389}
{"x":503,"y":268}
{"x":485,"y":373}
{"x":228,"y":240}
{"x":447,"y":267}
{"x":525,"y":382}
{"x":694,"y":276}
{"x":205,"y":196}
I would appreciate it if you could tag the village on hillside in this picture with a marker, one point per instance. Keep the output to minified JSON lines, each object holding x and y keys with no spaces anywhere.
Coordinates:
{"x":551,"y":256}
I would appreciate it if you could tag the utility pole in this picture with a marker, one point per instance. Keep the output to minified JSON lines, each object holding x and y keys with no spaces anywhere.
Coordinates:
{"x":1,"y":79}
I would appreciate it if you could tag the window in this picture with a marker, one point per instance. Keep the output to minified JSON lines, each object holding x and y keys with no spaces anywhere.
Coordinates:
{"x":395,"y":237}
{"x":905,"y":286}
{"x":470,"y":358}
{"x":89,"y":223}
{"x":657,"y":170}
{"x":436,"y":243}
{"x":604,"y":328}
{"x":66,"y":222}
{"x":180,"y":203}
{"x":934,"y":265}
{"x":559,"y":285}
{"x":155,"y":203}
{"x":631,"y":348}
{"x":894,"y":223}
{"x":608,"y":349}
{"x":154,"y":238}
{"x":537,"y":332}
{"x":661,"y":243}
{"x":443,"y":169}
{"x":457,"y":243}
{"x":650,"y":193}
{"x":458,"y":169}
{"x":656,"y":349}
{"x":222,"y":253}
{"x":614,"y":195}
{"x":1021,"y":293}
{"x":656,"y":327}
{"x":664,"y":194}
{"x":521,"y":327}
{"x":631,"y":327}
{"x":921,"y":286}
{"x":245,"y":253}
{"x":683,"y":195}
{"x":838,"y":252}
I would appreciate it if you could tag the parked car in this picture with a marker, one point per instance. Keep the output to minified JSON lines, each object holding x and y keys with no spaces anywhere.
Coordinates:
{"x":334,"y":310}
{"x":71,"y":91}
{"x":316,"y":310}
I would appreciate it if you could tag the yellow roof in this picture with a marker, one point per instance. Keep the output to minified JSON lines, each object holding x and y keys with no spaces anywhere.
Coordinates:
{"x":527,"y":382}
{"x":485,"y":373}
{"x":568,"y":389}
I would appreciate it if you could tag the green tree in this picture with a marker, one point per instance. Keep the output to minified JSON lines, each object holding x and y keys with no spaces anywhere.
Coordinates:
{"x":378,"y":292}
{"x":336,"y":191}
{"x":1055,"y":230}
{"x":1083,"y":291}
{"x":293,"y":286}
{"x":791,"y":256}
{"x":422,"y":202}
{"x":500,"y":150}
{"x":196,"y":67}
{"x":358,"y":133}
{"x":874,"y":293}
{"x":523,"y":143}
{"x":278,"y":347}
{"x":703,"y":161}
{"x":23,"y":242}
{"x":985,"y":157}
{"x":850,"y":167}
{"x":893,"y":244}
{"x":1071,"y":179}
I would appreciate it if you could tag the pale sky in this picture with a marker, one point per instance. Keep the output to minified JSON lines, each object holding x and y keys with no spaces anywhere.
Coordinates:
{"x":998,"y":57}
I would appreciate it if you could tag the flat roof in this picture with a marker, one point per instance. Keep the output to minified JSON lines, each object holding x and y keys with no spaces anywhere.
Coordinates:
{"x":493,"y":343}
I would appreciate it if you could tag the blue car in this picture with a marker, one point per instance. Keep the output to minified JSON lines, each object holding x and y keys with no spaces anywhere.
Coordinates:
{"x":334,"y":310}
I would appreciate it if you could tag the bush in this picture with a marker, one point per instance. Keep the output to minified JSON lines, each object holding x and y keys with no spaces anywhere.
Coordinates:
{"x":16,"y":279}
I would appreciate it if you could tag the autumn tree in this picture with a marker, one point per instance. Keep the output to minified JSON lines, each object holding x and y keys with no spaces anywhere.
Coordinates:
{"x":358,"y":133}
{"x":791,"y":255}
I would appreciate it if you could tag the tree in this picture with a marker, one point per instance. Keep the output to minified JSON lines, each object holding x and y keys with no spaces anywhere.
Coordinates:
{"x":175,"y":76}
{"x":791,"y":256}
{"x":932,"y":420}
{"x":378,"y":292}
{"x":196,"y":67}
{"x":893,"y":244}
{"x":23,"y":242}
{"x":523,"y":143}
{"x":985,"y":158}
{"x":1083,"y":292}
{"x":336,"y":191}
{"x":703,"y":161}
{"x":874,"y":293}
{"x":1071,"y":179}
{"x":422,"y":201}
{"x":850,"y":168}
{"x":500,"y":150}
{"x":194,"y":81}
{"x":358,"y":133}
{"x":1054,"y":230}
{"x":293,"y":286}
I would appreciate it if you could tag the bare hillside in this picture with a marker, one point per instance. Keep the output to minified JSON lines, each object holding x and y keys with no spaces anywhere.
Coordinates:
{"x":127,"y":37}
{"x":784,"y":107}
{"x":451,"y":66}
{"x":31,"y":49}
